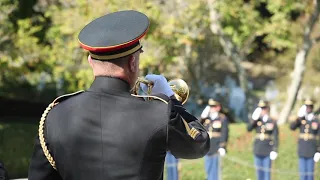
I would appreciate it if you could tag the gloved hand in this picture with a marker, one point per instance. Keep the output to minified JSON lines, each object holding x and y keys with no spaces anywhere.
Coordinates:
{"x":222,"y":152}
{"x":205,"y":112}
{"x":256,"y":113}
{"x":160,"y":85}
{"x":310,"y":117}
{"x":273,"y":155}
{"x":316,"y":157}
{"x":302,"y":111}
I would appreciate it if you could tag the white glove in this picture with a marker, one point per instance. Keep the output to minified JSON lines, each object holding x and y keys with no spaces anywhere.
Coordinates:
{"x":316,"y":157}
{"x":214,"y":115}
{"x":265,"y":118}
{"x":302,"y":111}
{"x":205,"y":112}
{"x":273,"y":155}
{"x":222,"y":152}
{"x":160,"y":85}
{"x":256,"y":113}
{"x":310,"y":117}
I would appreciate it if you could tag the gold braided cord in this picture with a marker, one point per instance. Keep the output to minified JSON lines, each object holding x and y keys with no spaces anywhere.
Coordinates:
{"x":42,"y":139}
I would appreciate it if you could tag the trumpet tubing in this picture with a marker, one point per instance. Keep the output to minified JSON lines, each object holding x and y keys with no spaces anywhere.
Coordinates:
{"x":178,"y":86}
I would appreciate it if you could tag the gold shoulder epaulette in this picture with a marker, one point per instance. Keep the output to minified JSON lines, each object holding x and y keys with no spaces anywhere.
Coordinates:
{"x":222,"y":115}
{"x":41,"y":126}
{"x":150,"y":97}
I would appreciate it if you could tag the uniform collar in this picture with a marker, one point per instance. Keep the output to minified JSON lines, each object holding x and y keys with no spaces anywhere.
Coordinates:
{"x":106,"y":84}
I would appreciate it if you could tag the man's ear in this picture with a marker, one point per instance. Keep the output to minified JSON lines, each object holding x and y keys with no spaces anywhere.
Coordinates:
{"x":132,"y":64}
{"x":90,"y":60}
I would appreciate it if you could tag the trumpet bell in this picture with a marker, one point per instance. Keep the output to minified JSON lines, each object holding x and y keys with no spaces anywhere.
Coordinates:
{"x":180,"y":89}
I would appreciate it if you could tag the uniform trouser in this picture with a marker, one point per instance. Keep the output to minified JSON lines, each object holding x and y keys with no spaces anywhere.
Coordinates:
{"x":306,"y":168}
{"x":212,"y":166}
{"x":263,"y":166}
{"x":172,"y":167}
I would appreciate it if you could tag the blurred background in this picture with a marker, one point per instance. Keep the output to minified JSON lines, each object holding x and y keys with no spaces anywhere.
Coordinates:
{"x":236,"y":51}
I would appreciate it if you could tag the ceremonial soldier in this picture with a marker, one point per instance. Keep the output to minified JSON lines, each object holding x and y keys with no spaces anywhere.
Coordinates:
{"x":106,"y":132}
{"x":266,"y":139}
{"x":309,"y":147}
{"x":216,"y":124}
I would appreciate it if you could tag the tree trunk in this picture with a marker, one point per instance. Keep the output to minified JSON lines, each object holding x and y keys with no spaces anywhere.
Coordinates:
{"x":229,"y":48}
{"x":299,"y":66}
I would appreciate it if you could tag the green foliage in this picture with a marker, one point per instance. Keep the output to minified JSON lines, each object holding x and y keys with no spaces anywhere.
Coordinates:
{"x":43,"y":40}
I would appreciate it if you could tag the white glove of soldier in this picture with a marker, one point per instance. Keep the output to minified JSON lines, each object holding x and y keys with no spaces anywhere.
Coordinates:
{"x":160,"y":85}
{"x":205,"y":112}
{"x":316,"y":157}
{"x":273,"y":155}
{"x":302,"y":111}
{"x":256,"y":113}
{"x":310,"y":117}
{"x":222,"y":152}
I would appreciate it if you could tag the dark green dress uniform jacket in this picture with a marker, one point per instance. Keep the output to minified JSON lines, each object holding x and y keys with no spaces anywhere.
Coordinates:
{"x":309,"y":142}
{"x":105,"y":133}
{"x":266,"y":138}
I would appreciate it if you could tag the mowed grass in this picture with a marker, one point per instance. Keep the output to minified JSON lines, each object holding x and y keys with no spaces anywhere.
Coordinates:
{"x":239,"y":164}
{"x":16,"y":145}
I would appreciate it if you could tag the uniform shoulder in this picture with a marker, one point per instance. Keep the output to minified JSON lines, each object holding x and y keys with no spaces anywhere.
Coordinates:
{"x":42,"y":125}
{"x":222,"y":116}
{"x":66,"y":96}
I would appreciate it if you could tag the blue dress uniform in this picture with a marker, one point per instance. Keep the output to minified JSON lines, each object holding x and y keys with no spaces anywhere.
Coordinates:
{"x":105,"y":131}
{"x":172,"y":167}
{"x":216,"y":124}
{"x":309,"y":145}
{"x":266,"y":141}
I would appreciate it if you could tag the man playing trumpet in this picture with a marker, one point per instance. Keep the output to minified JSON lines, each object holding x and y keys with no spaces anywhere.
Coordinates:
{"x":106,"y":132}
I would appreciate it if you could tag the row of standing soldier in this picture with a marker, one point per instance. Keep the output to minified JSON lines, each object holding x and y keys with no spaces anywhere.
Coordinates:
{"x":265,"y":146}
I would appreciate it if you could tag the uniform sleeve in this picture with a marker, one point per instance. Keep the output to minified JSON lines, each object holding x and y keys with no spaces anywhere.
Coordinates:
{"x":187,"y":138}
{"x":275,"y":135}
{"x":252,"y":125}
{"x":40,"y":168}
{"x":295,"y":124}
{"x":224,"y":133}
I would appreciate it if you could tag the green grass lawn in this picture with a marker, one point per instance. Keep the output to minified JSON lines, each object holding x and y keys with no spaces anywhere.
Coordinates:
{"x":239,"y":165}
{"x":16,"y":143}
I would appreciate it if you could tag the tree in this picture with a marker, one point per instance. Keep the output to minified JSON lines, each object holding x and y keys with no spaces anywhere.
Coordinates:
{"x":300,"y":62}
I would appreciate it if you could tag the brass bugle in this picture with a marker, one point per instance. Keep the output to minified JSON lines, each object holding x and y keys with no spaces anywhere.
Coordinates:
{"x":178,"y":86}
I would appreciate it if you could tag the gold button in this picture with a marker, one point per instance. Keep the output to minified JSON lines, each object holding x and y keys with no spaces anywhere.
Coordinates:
{"x":271,"y":143}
